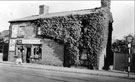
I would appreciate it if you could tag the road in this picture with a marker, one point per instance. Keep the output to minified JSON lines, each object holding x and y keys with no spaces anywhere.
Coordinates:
{"x":15,"y":73}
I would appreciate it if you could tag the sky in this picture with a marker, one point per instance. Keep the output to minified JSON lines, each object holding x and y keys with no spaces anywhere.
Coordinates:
{"x":123,"y":12}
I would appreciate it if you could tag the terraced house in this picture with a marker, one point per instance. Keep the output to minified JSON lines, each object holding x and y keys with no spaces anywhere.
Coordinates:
{"x":72,"y":38}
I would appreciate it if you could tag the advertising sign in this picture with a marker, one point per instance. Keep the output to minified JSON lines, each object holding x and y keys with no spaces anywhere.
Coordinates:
{"x":29,"y":41}
{"x":12,"y":45}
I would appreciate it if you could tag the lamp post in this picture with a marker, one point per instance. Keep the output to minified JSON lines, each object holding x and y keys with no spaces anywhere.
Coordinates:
{"x":129,"y":40}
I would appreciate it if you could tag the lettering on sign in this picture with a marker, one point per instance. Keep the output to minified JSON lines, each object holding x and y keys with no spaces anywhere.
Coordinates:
{"x":31,"y":41}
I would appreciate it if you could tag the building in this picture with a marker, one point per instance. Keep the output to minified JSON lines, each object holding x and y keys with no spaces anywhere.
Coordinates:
{"x":64,"y":38}
{"x":4,"y":39}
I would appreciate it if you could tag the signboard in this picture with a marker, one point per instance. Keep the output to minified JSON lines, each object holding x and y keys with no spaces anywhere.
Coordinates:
{"x":129,"y":45}
{"x":12,"y":44}
{"x":14,"y":31}
{"x":29,"y":41}
{"x":129,"y":39}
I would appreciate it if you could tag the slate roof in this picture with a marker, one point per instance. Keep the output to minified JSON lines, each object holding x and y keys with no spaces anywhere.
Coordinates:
{"x":49,"y":15}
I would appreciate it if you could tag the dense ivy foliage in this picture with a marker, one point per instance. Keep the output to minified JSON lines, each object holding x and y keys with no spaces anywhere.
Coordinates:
{"x":77,"y":32}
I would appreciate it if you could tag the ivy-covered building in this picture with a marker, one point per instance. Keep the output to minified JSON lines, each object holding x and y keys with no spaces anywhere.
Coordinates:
{"x":72,"y":38}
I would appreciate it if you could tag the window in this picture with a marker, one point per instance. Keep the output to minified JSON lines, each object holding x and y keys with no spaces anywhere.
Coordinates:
{"x":14,"y":31}
{"x":84,"y":54}
{"x":39,"y":31}
{"x":21,"y":31}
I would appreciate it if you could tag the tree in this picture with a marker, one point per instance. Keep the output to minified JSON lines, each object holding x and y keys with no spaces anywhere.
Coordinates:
{"x":122,"y":45}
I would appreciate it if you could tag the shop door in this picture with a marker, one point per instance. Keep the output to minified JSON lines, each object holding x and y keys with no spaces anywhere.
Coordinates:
{"x":28,"y":54}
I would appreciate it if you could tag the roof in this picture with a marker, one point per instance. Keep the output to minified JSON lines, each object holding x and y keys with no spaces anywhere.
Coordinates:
{"x":4,"y":33}
{"x":49,"y":15}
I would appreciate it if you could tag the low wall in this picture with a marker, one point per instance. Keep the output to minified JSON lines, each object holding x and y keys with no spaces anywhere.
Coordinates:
{"x":121,"y":62}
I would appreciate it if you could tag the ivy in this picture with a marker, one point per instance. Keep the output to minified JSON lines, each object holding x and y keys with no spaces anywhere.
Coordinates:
{"x":77,"y":32}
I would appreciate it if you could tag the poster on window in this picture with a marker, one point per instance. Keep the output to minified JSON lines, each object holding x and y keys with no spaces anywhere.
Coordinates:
{"x":12,"y":45}
{"x":14,"y":31}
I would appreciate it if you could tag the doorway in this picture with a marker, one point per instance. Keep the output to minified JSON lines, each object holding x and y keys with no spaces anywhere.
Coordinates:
{"x":28,"y":54}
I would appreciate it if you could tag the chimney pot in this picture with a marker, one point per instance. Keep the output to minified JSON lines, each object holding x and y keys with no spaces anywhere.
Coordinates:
{"x":105,"y":3}
{"x":43,"y":9}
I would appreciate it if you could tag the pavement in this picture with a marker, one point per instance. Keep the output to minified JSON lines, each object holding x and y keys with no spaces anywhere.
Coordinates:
{"x":113,"y":73}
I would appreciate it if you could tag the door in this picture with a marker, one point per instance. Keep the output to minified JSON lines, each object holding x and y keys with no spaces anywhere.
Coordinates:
{"x":28,"y":54}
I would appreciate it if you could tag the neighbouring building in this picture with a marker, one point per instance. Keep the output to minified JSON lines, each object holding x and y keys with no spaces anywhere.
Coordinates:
{"x":4,"y":40}
{"x":80,"y":37}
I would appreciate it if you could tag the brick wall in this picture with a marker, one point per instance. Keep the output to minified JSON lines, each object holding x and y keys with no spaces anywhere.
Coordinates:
{"x":52,"y":53}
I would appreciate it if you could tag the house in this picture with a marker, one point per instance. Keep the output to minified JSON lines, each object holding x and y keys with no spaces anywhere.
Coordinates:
{"x":72,"y":38}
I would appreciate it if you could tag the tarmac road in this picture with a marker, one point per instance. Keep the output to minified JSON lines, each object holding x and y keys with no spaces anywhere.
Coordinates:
{"x":18,"y":73}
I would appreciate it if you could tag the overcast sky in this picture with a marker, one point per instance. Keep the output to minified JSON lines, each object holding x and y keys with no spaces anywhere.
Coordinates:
{"x":123,"y":12}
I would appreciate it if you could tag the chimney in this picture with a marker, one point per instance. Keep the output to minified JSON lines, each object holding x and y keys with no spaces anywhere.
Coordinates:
{"x":105,"y":3}
{"x":43,"y":9}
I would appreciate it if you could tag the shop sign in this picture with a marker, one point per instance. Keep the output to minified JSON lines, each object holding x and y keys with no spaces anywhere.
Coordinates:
{"x":31,"y":41}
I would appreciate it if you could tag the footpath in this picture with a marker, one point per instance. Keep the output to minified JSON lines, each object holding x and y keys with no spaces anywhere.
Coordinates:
{"x":112,"y":73}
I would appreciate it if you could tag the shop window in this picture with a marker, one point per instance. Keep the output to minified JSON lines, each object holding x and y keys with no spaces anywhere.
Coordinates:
{"x":37,"y":54}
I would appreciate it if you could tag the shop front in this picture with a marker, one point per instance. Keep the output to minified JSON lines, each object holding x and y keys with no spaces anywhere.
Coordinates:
{"x":30,"y":49}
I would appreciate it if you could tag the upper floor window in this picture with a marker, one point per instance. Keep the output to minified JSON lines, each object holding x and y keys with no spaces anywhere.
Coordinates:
{"x":21,"y":31}
{"x":14,"y":31}
{"x":39,"y":31}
